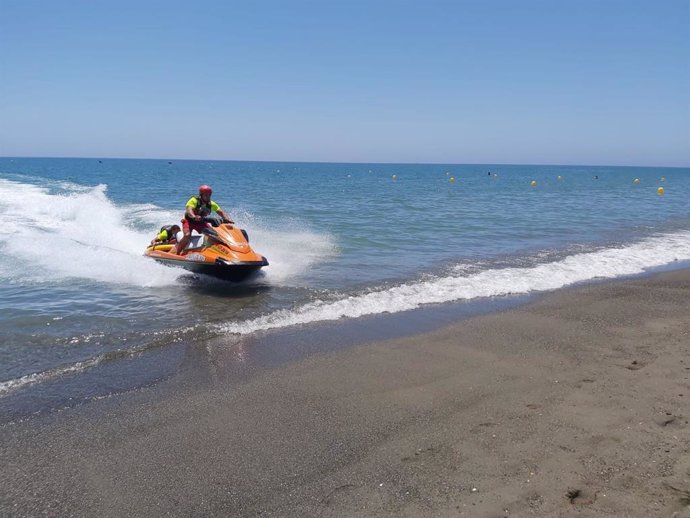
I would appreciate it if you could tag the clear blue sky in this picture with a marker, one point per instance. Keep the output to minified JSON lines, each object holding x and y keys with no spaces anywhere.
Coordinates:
{"x":522,"y":81}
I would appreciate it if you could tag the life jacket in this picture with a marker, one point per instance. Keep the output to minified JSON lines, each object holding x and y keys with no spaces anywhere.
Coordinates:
{"x":168,"y":229}
{"x":202,"y":209}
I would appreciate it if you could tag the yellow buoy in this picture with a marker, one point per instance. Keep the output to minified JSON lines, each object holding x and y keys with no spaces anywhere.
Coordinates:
{"x":533,"y":183}
{"x":636,"y":181}
{"x":660,"y":191}
{"x":451,"y":179}
{"x":559,"y":178}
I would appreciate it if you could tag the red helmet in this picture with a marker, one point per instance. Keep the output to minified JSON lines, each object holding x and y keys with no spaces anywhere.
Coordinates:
{"x":205,"y":189}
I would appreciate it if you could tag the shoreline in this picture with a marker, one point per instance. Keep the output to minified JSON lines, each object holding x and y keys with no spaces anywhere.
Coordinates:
{"x":127,"y":371}
{"x":575,"y":403}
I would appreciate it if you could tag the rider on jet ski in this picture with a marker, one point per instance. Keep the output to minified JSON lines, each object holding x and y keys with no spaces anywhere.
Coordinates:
{"x":197,"y":208}
{"x":166,"y":235}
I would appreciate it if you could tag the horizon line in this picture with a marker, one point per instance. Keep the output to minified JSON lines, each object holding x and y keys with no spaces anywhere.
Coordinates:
{"x":336,"y":162}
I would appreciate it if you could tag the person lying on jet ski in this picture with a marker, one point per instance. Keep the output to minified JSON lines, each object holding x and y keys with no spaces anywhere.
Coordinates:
{"x":167,"y":235}
{"x":197,"y":208}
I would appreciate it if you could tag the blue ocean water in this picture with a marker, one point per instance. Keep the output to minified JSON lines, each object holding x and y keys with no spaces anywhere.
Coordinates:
{"x":343,"y":241}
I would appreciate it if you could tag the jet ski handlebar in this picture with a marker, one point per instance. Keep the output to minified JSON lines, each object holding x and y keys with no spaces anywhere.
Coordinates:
{"x":214,"y":219}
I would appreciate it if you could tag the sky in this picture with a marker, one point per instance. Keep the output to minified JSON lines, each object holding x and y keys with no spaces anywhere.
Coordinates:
{"x":587,"y":82}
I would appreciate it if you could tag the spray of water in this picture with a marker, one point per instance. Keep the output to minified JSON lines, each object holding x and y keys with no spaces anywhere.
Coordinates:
{"x":291,"y":248}
{"x":62,"y":231}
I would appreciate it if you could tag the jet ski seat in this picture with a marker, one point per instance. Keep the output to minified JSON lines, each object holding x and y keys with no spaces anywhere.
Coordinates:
{"x":195,"y":241}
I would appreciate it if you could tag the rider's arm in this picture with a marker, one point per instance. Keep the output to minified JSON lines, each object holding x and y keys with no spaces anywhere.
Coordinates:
{"x":160,"y":237}
{"x":192,"y":214}
{"x":216,"y":208}
{"x":223,"y":215}
{"x":190,"y":210}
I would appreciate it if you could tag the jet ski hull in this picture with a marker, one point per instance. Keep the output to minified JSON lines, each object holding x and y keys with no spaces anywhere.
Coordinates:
{"x":222,"y":252}
{"x":236,"y":272}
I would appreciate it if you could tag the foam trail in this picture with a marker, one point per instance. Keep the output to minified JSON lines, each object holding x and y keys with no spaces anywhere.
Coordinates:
{"x":607,"y":263}
{"x":71,"y":231}
{"x":77,"y":233}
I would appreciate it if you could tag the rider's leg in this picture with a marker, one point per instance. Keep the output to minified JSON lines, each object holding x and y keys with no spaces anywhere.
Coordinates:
{"x":185,"y":239}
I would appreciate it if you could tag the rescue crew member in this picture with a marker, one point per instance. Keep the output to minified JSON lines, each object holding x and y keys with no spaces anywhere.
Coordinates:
{"x":167,"y":235}
{"x":197,"y":208}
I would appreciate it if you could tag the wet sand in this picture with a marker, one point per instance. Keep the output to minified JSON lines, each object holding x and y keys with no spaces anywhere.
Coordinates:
{"x":575,"y":405}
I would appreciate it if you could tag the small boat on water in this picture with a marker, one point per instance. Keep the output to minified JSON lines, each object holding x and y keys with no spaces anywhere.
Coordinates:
{"x":221,"y":251}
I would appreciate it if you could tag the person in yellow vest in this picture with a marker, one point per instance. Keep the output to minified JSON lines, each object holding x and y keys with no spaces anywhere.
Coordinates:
{"x":197,"y":208}
{"x":167,"y":235}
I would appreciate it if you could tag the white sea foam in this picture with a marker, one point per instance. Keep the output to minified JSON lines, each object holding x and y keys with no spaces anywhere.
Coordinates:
{"x":65,"y":231}
{"x":290,"y":250}
{"x":78,"y":233}
{"x":12,"y":385}
{"x":605,"y":264}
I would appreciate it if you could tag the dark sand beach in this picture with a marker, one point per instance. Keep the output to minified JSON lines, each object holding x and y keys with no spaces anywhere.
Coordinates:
{"x":574,"y":405}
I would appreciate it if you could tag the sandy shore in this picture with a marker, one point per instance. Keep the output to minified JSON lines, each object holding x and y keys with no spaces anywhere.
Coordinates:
{"x":576,"y":405}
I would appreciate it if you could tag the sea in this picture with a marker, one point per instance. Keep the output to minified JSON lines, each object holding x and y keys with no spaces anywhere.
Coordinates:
{"x":356,"y":251}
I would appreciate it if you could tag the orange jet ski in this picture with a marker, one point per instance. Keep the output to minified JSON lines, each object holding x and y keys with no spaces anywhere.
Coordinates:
{"x":221,"y":251}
